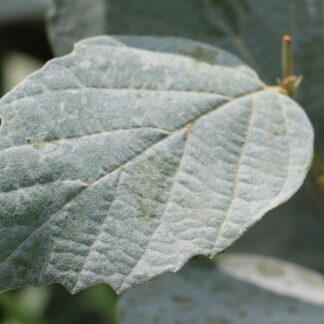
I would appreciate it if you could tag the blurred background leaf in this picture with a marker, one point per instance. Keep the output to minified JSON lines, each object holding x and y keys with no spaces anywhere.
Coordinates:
{"x":17,"y":66}
{"x":12,"y":11}
{"x":239,"y":288}
{"x":26,"y":306}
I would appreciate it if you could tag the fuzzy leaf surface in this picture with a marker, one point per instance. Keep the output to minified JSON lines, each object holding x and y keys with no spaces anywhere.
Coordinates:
{"x":231,"y":25}
{"x":129,"y":156}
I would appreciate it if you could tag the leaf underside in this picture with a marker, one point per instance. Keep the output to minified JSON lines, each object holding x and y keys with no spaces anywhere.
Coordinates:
{"x":127,"y":157}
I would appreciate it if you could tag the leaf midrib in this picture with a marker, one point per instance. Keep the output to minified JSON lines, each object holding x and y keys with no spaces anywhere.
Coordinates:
{"x":89,"y":88}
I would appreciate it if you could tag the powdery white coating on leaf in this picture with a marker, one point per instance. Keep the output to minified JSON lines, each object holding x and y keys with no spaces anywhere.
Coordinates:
{"x":129,"y":156}
{"x":252,"y":29}
{"x":239,"y":288}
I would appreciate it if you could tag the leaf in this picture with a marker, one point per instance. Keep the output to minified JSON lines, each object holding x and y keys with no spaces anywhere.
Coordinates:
{"x":17,"y":10}
{"x":232,"y":25}
{"x":73,"y":20}
{"x":227,"y":23}
{"x":240,"y":288}
{"x":129,"y":156}
{"x":299,"y":232}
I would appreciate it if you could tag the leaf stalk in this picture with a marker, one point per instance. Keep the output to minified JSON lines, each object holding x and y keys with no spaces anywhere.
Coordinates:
{"x":290,"y":82}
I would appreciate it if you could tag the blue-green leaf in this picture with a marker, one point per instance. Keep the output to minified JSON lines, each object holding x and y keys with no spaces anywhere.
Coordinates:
{"x":131,"y":155}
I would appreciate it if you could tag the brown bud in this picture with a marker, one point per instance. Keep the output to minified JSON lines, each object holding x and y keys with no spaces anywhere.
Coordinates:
{"x":287,"y":39}
{"x":288,"y":81}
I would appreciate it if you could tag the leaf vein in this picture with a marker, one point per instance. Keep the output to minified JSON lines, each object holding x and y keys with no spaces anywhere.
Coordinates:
{"x":237,"y":172}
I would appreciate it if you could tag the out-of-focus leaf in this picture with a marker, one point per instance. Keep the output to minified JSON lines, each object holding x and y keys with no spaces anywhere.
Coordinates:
{"x":240,"y":288}
{"x":16,"y":67}
{"x":294,"y":231}
{"x":26,"y":307}
{"x":132,"y":154}
{"x":12,"y":11}
{"x":33,"y":299}
{"x":1,"y":73}
{"x":103,"y":299}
